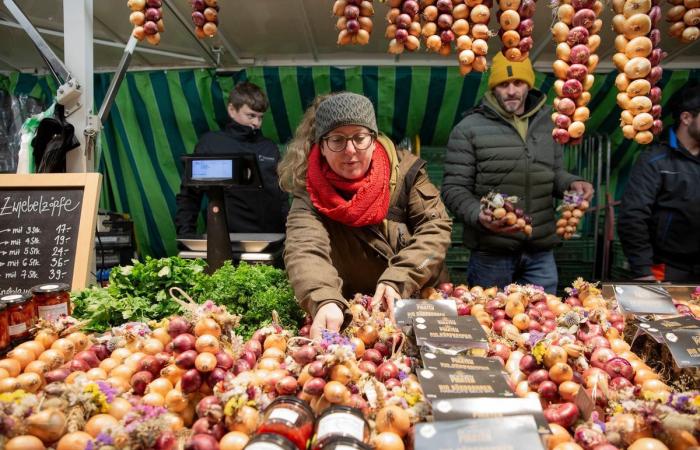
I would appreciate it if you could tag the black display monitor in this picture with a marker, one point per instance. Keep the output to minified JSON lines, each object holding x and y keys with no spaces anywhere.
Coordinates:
{"x":222,"y":171}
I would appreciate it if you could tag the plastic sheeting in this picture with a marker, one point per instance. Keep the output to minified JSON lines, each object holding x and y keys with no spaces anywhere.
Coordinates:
{"x":14,"y":110}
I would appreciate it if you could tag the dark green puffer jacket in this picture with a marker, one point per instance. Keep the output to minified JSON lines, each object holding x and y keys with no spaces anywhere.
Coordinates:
{"x":485,"y":152}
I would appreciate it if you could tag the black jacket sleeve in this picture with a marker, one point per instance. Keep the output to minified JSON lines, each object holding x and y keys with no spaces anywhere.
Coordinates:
{"x":634,"y":225}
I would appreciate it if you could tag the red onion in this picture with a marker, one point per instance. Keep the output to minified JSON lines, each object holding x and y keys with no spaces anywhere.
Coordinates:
{"x":447,"y":288}
{"x":100,"y":350}
{"x":577,"y":72}
{"x":202,"y":442}
{"x":620,"y":383}
{"x":655,"y":75}
{"x":249,"y":357}
{"x":564,"y":414}
{"x":619,"y":367}
{"x":287,"y":385}
{"x":401,"y":35}
{"x":525,"y":44}
{"x":459,"y":292}
{"x":584,"y":18}
{"x":525,"y":28}
{"x":78,"y":365}
{"x":582,"y":4}
{"x":576,"y":36}
{"x":154,"y":3}
{"x":444,"y":6}
{"x":351,"y":12}
{"x":499,"y":349}
{"x":548,"y":390}
{"x":305,"y":331}
{"x":387,"y":370}
{"x":166,"y":441}
{"x":199,"y":5}
{"x":410,"y":7}
{"x":206,"y":404}
{"x":353,"y":26}
{"x":657,"y":55}
{"x":191,"y":381}
{"x":304,"y":355}
{"x":185,"y":360}
{"x":184,"y":342}
{"x":57,"y":375}
{"x":588,"y":331}
{"x":391,"y":383}
{"x":528,"y":364}
{"x":601,"y":356}
{"x":499,"y":314}
{"x":373,"y":355}
{"x":151,"y":364}
{"x":382,"y":348}
{"x":562,"y":121}
{"x":224,"y":360}
{"x":463,"y":309}
{"x":89,"y":357}
{"x":403,"y":21}
{"x":547,"y":314}
{"x":368,"y":366}
{"x":240,"y":366}
{"x":314,"y":386}
{"x":534,"y":325}
{"x":655,"y":16}
{"x":656,"y":114}
{"x":318,"y":369}
{"x":141,"y":380}
{"x":579,"y":54}
{"x":550,"y":325}
{"x":537,"y":377}
{"x":153,"y":14}
{"x":655,"y":36}
{"x":526,"y":9}
{"x":499,"y":324}
{"x":444,"y":21}
{"x":605,"y":447}
{"x":574,"y":301}
{"x":215,"y":376}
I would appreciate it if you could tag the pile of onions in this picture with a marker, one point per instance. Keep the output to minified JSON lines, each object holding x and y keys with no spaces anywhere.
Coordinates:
{"x":354,"y":21}
{"x":516,"y":20}
{"x":403,"y":29}
{"x":205,"y":16}
{"x":576,"y":35}
{"x":638,"y":60}
{"x":684,"y":17}
{"x":147,"y":18}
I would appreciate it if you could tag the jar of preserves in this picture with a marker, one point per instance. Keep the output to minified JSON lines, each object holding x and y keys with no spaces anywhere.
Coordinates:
{"x":291,"y":418}
{"x":20,"y":313}
{"x":51,"y":301}
{"x":341,"y":420}
{"x":270,"y":441}
{"x":337,"y":442}
{"x":4,"y":329}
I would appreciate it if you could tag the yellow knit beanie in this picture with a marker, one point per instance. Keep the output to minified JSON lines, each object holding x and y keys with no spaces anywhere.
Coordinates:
{"x":504,"y":70}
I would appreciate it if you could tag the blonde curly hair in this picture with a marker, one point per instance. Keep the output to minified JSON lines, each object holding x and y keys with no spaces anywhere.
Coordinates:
{"x":292,"y":168}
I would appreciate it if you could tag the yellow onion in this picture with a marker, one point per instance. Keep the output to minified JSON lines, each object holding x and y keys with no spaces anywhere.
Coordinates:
{"x":48,"y":425}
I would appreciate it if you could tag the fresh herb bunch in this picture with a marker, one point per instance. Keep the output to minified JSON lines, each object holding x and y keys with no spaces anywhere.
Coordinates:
{"x":253,"y":292}
{"x":139,"y":292}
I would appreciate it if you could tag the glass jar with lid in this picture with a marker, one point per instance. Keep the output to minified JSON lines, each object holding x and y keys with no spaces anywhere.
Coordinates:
{"x":270,"y":441}
{"x":51,"y":301}
{"x":339,"y":420}
{"x":4,"y":329}
{"x":291,"y":418}
{"x":20,"y":314}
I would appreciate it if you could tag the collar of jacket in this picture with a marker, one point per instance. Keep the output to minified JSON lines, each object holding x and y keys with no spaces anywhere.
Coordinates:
{"x":242,"y":132}
{"x":393,"y":159}
{"x":535,"y":99}
{"x":675,"y":144}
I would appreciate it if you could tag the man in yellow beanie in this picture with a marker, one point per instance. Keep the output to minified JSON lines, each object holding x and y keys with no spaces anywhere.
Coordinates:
{"x":505,"y":145}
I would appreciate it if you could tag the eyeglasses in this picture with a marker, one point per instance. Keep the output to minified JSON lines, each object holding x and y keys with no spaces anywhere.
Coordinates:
{"x":338,"y":142}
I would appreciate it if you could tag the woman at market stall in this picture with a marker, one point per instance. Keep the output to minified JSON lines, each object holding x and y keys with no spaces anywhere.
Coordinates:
{"x":365,"y":217}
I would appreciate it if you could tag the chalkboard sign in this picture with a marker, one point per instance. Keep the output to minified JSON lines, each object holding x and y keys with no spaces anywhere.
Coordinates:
{"x":47,"y":229}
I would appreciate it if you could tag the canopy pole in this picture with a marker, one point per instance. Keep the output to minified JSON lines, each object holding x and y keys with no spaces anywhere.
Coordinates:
{"x":78,"y":57}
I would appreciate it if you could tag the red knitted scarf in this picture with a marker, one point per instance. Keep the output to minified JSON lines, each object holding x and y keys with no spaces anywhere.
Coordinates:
{"x":368,"y":196}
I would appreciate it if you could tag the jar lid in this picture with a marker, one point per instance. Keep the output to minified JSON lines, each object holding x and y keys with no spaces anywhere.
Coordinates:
{"x":14,"y":299}
{"x":50,"y":288}
{"x":334,"y":409}
{"x":270,"y":441}
{"x":290,"y":399}
{"x":339,"y":442}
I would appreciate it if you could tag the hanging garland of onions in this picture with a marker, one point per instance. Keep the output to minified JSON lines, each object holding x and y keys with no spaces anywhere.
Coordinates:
{"x":516,"y":20}
{"x":638,"y":59}
{"x":403,"y":27}
{"x":205,"y":16}
{"x":576,"y":34}
{"x":354,"y":21}
{"x":147,"y":18}
{"x":684,"y":16}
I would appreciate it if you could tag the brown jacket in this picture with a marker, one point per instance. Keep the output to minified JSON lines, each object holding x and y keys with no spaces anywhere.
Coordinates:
{"x":329,"y":262}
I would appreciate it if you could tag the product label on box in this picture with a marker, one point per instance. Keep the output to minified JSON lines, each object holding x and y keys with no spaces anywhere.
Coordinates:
{"x":345,"y":423}
{"x":439,"y":384}
{"x":53,"y":312}
{"x":284,"y":414}
{"x":438,"y":361}
{"x":454,"y":351}
{"x":452,"y":331}
{"x":486,"y":408}
{"x":509,"y":433}
{"x":405,"y":310}
{"x":680,"y":334}
{"x":18,"y":329}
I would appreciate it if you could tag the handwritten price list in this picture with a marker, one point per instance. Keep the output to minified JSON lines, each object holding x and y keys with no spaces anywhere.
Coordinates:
{"x":38,"y":232}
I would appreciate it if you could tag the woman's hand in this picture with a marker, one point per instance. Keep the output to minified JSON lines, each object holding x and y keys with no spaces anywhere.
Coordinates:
{"x":387,"y":295}
{"x":328,"y":317}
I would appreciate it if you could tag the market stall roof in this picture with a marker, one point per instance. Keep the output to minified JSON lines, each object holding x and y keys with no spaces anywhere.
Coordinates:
{"x":264,"y":33}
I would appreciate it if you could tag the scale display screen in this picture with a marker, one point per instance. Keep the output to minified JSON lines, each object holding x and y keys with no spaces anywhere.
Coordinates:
{"x":212,"y":169}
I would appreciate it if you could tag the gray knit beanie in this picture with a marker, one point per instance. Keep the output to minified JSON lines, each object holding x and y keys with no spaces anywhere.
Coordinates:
{"x":343,"y":109}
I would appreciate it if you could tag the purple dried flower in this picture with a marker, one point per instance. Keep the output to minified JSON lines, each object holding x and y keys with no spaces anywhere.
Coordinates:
{"x":402,"y":375}
{"x":107,"y":390}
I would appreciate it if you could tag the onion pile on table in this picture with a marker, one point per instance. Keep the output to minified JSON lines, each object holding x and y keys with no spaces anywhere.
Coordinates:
{"x":147,"y":18}
{"x":684,"y":16}
{"x":638,"y":59}
{"x":354,"y":21}
{"x":403,"y":29}
{"x":205,"y":16}
{"x":576,"y":34}
{"x":516,"y":20}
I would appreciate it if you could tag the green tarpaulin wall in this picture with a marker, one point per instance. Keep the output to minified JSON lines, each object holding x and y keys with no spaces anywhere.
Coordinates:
{"x":158,"y":116}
